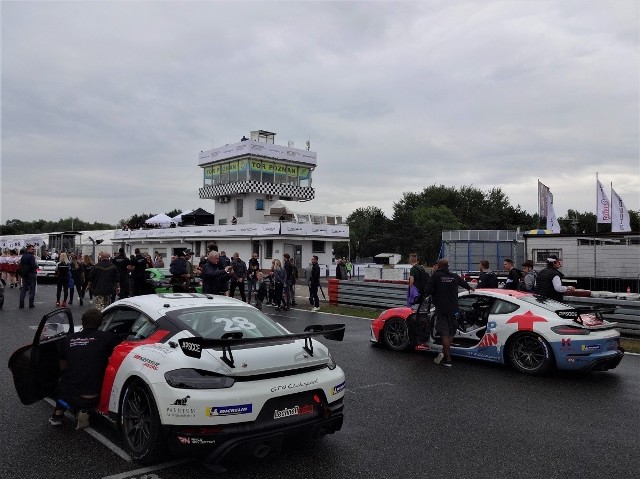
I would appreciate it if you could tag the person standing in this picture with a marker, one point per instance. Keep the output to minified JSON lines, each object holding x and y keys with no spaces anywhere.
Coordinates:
{"x":349,"y":267}
{"x":443,"y":288}
{"x":104,"y":281}
{"x":341,"y":270}
{"x":238,"y":277}
{"x":139,"y":267}
{"x":224,"y":261}
{"x":180,"y":278}
{"x":280,"y":279}
{"x":157,"y":261}
{"x":292,"y":282}
{"x":314,"y":284}
{"x":83,"y":359}
{"x":286,"y":290}
{"x":29,"y":267}
{"x":487,"y":278}
{"x":214,"y":279}
{"x":13,"y":260}
{"x":549,"y":280}
{"x":63,"y":271}
{"x":253,"y":268}
{"x":87,"y":265}
{"x":261,"y":290}
{"x":418,"y":279}
{"x":76,"y":280}
{"x":529,"y":281}
{"x":513,"y":279}
{"x":122,"y":264}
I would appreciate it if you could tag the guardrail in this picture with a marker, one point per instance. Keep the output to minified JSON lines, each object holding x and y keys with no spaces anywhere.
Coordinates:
{"x":393,"y":294}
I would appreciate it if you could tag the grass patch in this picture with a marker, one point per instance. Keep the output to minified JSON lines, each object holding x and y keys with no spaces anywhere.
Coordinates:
{"x":630,"y":345}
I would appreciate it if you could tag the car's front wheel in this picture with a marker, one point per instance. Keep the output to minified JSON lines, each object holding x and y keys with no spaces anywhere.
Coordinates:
{"x":140,"y":424}
{"x":396,"y":334}
{"x":530,"y":354}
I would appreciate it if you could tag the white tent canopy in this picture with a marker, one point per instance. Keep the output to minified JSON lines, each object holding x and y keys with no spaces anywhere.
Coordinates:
{"x":160,"y":219}
{"x":178,"y":218}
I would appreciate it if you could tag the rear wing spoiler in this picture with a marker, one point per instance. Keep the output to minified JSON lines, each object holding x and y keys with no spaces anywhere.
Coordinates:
{"x":575,"y":314}
{"x":193,"y":347}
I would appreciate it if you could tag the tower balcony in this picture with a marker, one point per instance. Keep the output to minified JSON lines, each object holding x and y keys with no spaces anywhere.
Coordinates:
{"x":275,"y":190}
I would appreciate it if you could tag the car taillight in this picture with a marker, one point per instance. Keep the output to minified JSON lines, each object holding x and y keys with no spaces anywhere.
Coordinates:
{"x":566,"y":330}
{"x":197,"y":379}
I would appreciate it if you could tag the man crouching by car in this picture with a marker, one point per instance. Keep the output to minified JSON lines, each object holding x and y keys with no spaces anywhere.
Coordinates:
{"x":83,"y":361}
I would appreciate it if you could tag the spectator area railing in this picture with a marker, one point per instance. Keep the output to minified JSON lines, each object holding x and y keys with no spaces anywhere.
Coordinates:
{"x":393,"y":294}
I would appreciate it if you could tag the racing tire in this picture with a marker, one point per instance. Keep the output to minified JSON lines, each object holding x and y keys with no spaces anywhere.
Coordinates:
{"x":530,"y":354}
{"x":396,"y":334}
{"x":140,"y":424}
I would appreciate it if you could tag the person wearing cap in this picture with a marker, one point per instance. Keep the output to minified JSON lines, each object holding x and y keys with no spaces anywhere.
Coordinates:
{"x":549,"y":280}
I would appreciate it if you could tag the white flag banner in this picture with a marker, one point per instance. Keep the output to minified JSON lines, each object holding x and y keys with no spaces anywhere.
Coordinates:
{"x":552,"y":222}
{"x":620,"y":221}
{"x":604,"y":207}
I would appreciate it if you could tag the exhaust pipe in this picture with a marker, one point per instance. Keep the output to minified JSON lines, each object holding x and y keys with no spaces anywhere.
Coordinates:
{"x":261,"y":451}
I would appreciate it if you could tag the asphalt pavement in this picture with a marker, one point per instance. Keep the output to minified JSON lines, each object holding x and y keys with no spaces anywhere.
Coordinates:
{"x":405,"y":418}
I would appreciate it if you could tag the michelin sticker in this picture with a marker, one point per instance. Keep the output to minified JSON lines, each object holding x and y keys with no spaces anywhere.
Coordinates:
{"x":228,"y":410}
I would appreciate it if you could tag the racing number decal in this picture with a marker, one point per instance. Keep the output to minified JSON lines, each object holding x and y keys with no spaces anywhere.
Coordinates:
{"x":236,"y":323}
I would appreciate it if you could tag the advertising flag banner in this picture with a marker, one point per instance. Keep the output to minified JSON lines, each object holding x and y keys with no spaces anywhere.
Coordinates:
{"x":604,"y":207}
{"x":543,"y":196}
{"x":552,"y":222}
{"x":620,"y":221}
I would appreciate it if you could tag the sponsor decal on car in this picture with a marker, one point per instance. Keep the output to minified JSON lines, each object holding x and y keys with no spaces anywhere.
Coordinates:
{"x":180,"y":411}
{"x":195,"y":440}
{"x":293,"y":411}
{"x":489,"y":339}
{"x":337,"y":389}
{"x":590,"y":347}
{"x":302,"y":384}
{"x":147,"y":363}
{"x":228,"y":410}
{"x":181,"y":402}
{"x":566,"y":343}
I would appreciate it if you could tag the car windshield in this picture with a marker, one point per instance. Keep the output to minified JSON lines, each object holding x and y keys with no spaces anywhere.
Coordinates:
{"x":213,"y":323}
{"x":546,"y":303}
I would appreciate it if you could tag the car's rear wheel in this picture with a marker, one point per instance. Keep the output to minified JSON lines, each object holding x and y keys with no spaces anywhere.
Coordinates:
{"x":396,"y":334}
{"x":530,"y":354}
{"x":141,"y":428}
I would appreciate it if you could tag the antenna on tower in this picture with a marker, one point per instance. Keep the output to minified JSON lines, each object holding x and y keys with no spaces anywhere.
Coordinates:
{"x":308,"y":145}
{"x":290,"y":143}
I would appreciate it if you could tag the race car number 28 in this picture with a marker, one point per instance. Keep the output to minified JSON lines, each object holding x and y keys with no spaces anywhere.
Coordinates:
{"x":236,"y":323}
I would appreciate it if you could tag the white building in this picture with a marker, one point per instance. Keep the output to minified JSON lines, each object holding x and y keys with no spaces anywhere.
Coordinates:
{"x":256,"y":188}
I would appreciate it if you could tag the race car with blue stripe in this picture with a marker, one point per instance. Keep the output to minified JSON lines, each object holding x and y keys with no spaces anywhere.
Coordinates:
{"x":199,"y":375}
{"x":531,"y":333}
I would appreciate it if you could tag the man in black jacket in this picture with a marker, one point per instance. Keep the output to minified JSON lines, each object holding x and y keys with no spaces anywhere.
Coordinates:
{"x":314,"y":283}
{"x":487,"y":278}
{"x":443,"y":288}
{"x":180,"y":277}
{"x":513,"y":280}
{"x":29,"y":265}
{"x":139,"y":279}
{"x":83,"y":360}
{"x":549,"y":280}
{"x":104,"y":281}
{"x":122,"y":263}
{"x":214,"y":279}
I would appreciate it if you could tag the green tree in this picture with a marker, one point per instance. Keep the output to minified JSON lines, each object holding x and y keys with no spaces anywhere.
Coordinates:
{"x":367,"y":228}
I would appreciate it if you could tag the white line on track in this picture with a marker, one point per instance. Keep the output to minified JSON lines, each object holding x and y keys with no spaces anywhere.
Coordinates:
{"x":144,"y":470}
{"x":98,"y":437}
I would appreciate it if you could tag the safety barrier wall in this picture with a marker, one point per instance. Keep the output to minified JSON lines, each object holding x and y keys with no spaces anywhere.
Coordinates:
{"x":393,"y":294}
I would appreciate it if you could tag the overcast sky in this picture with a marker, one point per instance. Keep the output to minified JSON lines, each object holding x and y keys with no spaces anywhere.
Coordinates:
{"x":106,"y":105}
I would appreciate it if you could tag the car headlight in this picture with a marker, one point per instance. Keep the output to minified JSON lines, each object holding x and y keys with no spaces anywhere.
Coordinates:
{"x":331,"y":364}
{"x":197,"y":379}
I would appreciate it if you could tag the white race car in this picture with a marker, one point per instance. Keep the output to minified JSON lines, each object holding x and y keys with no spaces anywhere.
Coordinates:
{"x":199,"y":375}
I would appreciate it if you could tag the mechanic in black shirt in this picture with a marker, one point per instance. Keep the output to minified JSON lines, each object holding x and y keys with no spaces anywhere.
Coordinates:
{"x":180,"y":277}
{"x":122,"y":263}
{"x":443,"y":288}
{"x":139,"y":267}
{"x":83,"y":360}
{"x":513,"y":280}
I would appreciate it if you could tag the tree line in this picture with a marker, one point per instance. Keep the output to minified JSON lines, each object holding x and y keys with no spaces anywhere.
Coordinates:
{"x":416,"y":224}
{"x":419,"y":218}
